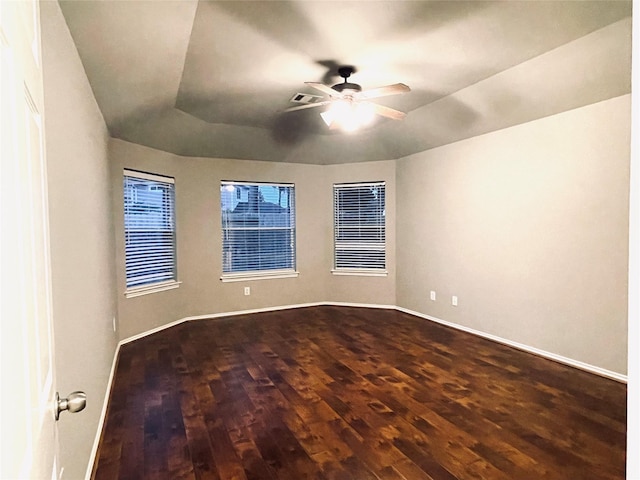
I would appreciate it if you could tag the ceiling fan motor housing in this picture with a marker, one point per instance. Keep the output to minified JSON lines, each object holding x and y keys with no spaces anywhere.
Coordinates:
{"x":340,"y":87}
{"x":345,"y":72}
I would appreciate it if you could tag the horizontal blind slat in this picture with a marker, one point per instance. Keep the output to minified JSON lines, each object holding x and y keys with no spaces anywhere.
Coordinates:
{"x":149,"y":211}
{"x":359,"y":225}
{"x":258,"y":226}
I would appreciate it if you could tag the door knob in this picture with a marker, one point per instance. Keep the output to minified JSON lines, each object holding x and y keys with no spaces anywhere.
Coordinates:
{"x":75,"y":402}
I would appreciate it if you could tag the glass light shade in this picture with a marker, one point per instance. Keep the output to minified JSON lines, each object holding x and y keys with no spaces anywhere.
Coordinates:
{"x":328,"y":117}
{"x":349,"y":116}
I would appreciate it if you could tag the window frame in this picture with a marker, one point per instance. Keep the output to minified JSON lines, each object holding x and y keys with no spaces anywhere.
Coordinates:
{"x":370,"y":271}
{"x":244,"y":275}
{"x":160,"y":285}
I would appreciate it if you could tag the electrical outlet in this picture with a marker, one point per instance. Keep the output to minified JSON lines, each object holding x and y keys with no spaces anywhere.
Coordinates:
{"x":114,"y":324}
{"x":433,"y":295}
{"x":454,"y":301}
{"x":247,"y":290}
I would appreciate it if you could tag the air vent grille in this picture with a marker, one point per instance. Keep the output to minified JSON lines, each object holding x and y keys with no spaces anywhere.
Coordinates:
{"x":306,"y":98}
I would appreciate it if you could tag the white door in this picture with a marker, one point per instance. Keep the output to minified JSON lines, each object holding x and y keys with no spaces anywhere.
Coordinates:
{"x":29,"y":446}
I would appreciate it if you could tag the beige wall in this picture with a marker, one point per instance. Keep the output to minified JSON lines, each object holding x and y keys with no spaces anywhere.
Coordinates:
{"x":81,"y":238}
{"x":354,"y":289}
{"x":199,"y":238}
{"x":528,"y":227}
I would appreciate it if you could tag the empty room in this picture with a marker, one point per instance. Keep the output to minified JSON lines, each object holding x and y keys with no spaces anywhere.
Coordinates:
{"x":319,"y":240}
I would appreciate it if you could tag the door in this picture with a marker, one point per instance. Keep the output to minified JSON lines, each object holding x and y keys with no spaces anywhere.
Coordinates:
{"x":29,"y":446}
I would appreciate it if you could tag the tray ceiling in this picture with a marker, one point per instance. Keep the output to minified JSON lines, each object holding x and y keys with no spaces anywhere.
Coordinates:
{"x":211,"y":79}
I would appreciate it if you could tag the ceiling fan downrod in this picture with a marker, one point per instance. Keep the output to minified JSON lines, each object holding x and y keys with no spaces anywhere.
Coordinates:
{"x":345,"y":72}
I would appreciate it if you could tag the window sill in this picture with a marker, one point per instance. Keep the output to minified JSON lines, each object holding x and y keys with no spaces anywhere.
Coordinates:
{"x":264,"y":275}
{"x":147,"y":289}
{"x":360,"y":272}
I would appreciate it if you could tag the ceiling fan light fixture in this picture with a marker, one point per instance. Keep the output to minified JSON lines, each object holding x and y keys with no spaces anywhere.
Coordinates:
{"x":349,"y":107}
{"x":348,"y":124}
{"x":337,"y":110}
{"x":348,"y":115}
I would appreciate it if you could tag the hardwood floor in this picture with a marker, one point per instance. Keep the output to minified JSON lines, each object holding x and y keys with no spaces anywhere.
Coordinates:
{"x":352,"y":393}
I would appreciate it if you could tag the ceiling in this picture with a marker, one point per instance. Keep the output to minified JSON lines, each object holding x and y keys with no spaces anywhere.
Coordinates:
{"x":211,"y":79}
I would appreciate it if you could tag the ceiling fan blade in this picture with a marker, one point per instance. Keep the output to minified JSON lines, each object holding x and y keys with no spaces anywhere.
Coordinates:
{"x":324,"y":88}
{"x":308,"y":105}
{"x":388,"y":112}
{"x":394,"y":89}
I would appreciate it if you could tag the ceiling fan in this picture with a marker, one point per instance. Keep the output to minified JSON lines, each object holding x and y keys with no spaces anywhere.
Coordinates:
{"x":349,"y":106}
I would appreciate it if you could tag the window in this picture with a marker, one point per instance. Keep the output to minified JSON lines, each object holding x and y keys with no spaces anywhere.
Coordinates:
{"x":359,"y":228}
{"x":150,"y":234}
{"x":258,"y":230}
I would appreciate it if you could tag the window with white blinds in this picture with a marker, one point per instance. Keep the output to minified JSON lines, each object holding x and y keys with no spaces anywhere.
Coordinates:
{"x":149,"y":229}
{"x":359,"y":227}
{"x":258,"y":229}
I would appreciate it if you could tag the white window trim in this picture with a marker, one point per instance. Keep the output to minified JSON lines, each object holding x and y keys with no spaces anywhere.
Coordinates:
{"x":360,"y":272}
{"x":153,"y":288}
{"x":274,"y":184}
{"x":259,"y":275}
{"x":149,"y":176}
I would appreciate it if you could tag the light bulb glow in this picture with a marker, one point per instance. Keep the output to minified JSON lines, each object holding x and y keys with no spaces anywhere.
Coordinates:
{"x":349,"y":116}
{"x":365,"y":112}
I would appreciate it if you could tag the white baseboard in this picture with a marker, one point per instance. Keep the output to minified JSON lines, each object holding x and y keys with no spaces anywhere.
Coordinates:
{"x":536,"y":351}
{"x":218,"y":315}
{"x":246,"y":312}
{"x":360,"y":305}
{"x":520,"y":346}
{"x":103,"y":414}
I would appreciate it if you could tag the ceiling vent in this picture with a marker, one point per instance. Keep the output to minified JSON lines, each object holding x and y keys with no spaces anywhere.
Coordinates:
{"x":306,"y":98}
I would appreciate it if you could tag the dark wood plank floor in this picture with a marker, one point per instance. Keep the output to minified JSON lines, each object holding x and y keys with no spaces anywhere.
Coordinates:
{"x":353,"y":393}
